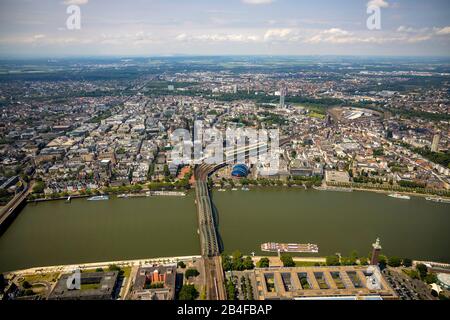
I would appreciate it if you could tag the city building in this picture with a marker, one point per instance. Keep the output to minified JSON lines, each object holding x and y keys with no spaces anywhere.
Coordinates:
{"x":154,"y":283}
{"x":324,"y":283}
{"x":240,"y":171}
{"x":94,"y":286}
{"x":283,"y":93}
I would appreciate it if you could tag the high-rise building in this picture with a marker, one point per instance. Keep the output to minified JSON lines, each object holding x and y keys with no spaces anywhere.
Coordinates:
{"x":283,"y":93}
{"x":235,"y":89}
{"x":375,"y":252}
{"x":436,"y":141}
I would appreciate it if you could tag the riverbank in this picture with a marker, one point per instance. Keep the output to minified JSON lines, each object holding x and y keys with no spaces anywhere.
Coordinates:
{"x":274,"y":261}
{"x":105,"y":264}
{"x":414,"y":194}
{"x":120,"y":196}
{"x":335,"y":189}
{"x":383,"y":189}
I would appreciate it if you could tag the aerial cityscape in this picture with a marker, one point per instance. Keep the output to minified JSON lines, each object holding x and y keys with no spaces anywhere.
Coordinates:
{"x":284,"y":154}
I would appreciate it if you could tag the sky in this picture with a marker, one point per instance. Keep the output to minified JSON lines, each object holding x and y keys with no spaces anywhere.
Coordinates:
{"x":37,"y":28}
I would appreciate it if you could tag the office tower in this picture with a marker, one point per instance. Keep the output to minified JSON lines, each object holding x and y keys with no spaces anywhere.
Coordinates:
{"x":283,"y":92}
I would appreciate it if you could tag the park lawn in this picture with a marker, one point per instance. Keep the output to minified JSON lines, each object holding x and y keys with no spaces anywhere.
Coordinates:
{"x":316,"y":115}
{"x":316,"y":108}
{"x":46,"y":277}
{"x":126,"y":272}
{"x":90,"y":286}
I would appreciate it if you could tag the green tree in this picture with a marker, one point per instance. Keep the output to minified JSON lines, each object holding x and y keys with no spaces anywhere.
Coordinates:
{"x":263,"y":263}
{"x":39,"y":187}
{"x":422,"y":269}
{"x":354,"y":255}
{"x":181,"y":265}
{"x":238,"y":263}
{"x":28,"y":292}
{"x":191,"y":273}
{"x":431,"y":278}
{"x":287,"y":260}
{"x":188,"y":292}
{"x":407,"y":262}
{"x":414,"y":274}
{"x":394,"y":262}
{"x":231,"y":290}
{"x":227,"y":265}
{"x":114,"y":267}
{"x":382,"y":261}
{"x":248,"y":263}
{"x":348,"y":261}
{"x":166,"y":171}
{"x":332,"y":260}
{"x":363,"y":261}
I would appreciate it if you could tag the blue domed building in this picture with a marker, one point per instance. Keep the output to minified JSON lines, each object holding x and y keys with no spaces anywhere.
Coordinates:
{"x":240,"y":171}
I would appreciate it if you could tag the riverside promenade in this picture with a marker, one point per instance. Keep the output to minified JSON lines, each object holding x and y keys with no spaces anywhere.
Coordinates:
{"x":105,"y":264}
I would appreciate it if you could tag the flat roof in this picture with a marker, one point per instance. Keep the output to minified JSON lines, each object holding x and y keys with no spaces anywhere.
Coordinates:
{"x":331,"y":282}
{"x":98,"y":286}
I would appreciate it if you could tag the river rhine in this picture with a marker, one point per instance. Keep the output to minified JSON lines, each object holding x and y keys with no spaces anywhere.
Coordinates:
{"x":54,"y":233}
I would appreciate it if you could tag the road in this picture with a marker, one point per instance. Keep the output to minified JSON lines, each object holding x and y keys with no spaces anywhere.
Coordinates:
{"x":14,"y":203}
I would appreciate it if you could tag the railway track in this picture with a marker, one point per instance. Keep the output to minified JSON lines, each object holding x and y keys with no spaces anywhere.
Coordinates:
{"x":214,"y":278}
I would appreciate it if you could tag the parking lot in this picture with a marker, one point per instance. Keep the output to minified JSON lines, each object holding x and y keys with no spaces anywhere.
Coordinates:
{"x":405,"y":287}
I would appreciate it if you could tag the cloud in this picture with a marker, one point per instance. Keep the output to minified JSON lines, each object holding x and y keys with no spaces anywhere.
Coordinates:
{"x":412,"y":30}
{"x":258,"y":1}
{"x":417,"y":35}
{"x":442,"y":31}
{"x":339,"y":37}
{"x":216,"y":37}
{"x":333,"y":35}
{"x":378,"y":3}
{"x":38,"y":36}
{"x":181,"y":37}
{"x":281,"y":35}
{"x":75,"y":2}
{"x":337,"y":32}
